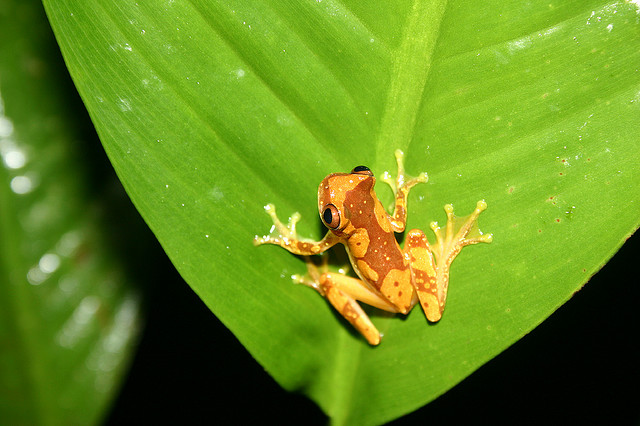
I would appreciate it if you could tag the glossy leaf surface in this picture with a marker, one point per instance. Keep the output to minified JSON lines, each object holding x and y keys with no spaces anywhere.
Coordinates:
{"x":210,"y":110}
{"x":68,"y":313}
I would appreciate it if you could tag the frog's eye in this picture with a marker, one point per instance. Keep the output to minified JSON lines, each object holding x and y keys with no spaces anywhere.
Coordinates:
{"x":331,"y":216}
{"x":361,"y":170}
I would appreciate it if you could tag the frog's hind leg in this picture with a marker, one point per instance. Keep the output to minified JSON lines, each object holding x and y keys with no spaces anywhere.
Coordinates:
{"x":424,"y":271}
{"x":343,"y":293}
{"x":431,"y":276}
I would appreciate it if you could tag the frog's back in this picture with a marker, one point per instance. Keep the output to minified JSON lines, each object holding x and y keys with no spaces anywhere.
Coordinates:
{"x":374,"y":250}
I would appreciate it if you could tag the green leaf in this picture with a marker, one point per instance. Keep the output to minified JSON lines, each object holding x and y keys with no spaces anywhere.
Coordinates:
{"x":209,"y":110}
{"x":68,"y":314}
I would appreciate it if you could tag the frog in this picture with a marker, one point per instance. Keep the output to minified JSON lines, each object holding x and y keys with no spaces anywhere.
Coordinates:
{"x":389,"y":277}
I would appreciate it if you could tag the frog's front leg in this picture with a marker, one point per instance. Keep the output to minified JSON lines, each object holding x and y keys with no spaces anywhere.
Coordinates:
{"x":344,"y":292}
{"x":400,"y":187}
{"x":431,"y":275}
{"x":286,"y":237}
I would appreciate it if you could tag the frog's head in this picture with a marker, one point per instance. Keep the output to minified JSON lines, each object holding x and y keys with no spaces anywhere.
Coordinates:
{"x":344,"y":196}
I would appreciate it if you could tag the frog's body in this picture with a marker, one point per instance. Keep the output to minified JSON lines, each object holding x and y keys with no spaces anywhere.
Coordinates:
{"x":391,"y":278}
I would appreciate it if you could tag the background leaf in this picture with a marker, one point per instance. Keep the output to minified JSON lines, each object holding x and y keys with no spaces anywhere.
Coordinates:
{"x":68,"y":313}
{"x":532,"y":107}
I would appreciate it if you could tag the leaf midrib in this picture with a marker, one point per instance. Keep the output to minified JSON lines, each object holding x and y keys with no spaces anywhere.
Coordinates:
{"x":410,"y":69}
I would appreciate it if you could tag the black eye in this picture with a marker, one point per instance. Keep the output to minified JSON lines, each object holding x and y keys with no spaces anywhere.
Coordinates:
{"x":331,"y":216}
{"x":361,"y":170}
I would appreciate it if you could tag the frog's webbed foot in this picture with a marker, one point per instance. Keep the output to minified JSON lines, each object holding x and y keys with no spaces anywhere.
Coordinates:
{"x":402,"y":182}
{"x":400,"y":187}
{"x":459,"y":232}
{"x":279,"y":234}
{"x":286,"y":236}
{"x":314,"y":272}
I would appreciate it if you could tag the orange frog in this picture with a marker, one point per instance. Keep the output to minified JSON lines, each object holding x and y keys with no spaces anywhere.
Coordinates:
{"x":391,"y":278}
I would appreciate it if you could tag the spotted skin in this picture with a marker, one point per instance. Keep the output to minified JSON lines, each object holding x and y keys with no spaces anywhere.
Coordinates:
{"x":391,"y":278}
